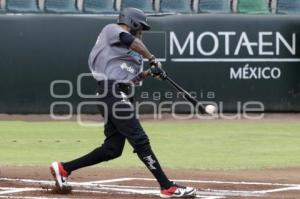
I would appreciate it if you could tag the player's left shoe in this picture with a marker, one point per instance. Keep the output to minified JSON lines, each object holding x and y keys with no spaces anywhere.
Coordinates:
{"x":178,"y":191}
{"x":60,"y":175}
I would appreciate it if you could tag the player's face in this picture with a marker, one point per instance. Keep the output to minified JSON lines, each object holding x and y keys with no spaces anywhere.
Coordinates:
{"x":139,"y":34}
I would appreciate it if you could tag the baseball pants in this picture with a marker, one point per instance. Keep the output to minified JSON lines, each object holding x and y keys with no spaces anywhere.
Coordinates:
{"x":120,"y":124}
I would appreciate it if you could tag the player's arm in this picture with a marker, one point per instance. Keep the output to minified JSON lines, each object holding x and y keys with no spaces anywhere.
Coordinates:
{"x":137,"y":45}
{"x":141,"y":76}
{"x":153,"y":71}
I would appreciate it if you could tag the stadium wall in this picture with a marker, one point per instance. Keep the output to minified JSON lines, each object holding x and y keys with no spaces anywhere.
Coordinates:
{"x":236,"y":61}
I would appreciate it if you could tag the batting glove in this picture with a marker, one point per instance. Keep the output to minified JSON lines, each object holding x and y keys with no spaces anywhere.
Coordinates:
{"x":158,"y":72}
{"x":154,"y":61}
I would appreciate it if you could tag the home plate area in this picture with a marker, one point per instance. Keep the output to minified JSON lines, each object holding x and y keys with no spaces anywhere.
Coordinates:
{"x":142,"y":188}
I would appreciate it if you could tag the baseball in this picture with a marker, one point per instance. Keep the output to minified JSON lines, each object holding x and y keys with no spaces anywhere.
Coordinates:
{"x":210,"y":109}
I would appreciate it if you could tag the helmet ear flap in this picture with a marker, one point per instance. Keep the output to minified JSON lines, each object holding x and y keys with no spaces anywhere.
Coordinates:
{"x":135,"y":25}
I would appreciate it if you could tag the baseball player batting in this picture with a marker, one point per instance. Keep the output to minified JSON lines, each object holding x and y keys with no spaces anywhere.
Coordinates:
{"x":116,"y":62}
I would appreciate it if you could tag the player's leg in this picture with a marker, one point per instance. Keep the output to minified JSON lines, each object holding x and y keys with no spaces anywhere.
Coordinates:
{"x":110,"y":149}
{"x":133,"y":131}
{"x":124,"y":119}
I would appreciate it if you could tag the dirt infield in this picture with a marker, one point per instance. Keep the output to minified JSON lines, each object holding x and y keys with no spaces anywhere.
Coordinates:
{"x":95,"y":182}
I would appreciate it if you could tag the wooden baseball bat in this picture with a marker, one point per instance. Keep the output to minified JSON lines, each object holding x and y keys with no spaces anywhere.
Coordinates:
{"x":186,"y":95}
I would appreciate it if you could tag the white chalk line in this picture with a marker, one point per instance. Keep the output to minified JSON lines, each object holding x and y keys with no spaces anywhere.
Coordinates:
{"x":248,"y":193}
{"x":25,"y":180}
{"x":154,"y":191}
{"x":120,"y":188}
{"x":279,"y":190}
{"x":151,"y":179}
{"x":42,"y":197}
{"x":16,"y":190}
{"x":111,"y":180}
{"x":120,"y":191}
{"x":31,"y":197}
{"x":203,"y":181}
{"x":11,"y":190}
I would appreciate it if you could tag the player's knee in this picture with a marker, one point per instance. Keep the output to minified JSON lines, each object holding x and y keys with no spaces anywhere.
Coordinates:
{"x":117,"y":153}
{"x":139,"y":142}
{"x":140,"y":148}
{"x":114,"y":152}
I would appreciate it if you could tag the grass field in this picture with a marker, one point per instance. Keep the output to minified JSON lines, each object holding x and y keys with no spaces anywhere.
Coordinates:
{"x":211,"y":145}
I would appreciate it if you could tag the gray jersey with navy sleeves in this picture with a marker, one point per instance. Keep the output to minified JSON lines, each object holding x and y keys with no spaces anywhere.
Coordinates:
{"x":111,"y":58}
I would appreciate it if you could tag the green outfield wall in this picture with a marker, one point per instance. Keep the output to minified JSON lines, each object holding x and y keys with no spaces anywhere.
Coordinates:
{"x":235,"y":61}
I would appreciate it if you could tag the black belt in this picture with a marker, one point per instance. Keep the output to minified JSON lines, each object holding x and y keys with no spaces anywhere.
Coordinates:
{"x":124,"y":87}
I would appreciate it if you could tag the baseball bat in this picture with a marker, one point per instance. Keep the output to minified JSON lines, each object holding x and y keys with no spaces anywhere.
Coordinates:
{"x":186,"y":95}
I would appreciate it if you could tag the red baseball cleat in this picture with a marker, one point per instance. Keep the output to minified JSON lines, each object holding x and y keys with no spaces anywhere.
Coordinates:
{"x":178,"y":191}
{"x":60,"y":175}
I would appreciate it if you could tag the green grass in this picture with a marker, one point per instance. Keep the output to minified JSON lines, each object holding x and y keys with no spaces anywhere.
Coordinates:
{"x":208,"y":145}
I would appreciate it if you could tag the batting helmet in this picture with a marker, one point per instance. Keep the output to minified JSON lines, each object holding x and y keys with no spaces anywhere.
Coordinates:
{"x":134,"y":18}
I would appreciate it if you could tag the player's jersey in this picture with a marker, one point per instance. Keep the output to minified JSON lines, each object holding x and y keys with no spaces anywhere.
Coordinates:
{"x":111,"y":58}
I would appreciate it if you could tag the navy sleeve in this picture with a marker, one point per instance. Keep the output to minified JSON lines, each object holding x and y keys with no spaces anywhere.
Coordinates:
{"x":126,"y":39}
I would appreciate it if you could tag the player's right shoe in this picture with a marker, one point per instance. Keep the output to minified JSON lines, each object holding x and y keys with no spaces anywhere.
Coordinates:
{"x":60,"y":175}
{"x":178,"y":191}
